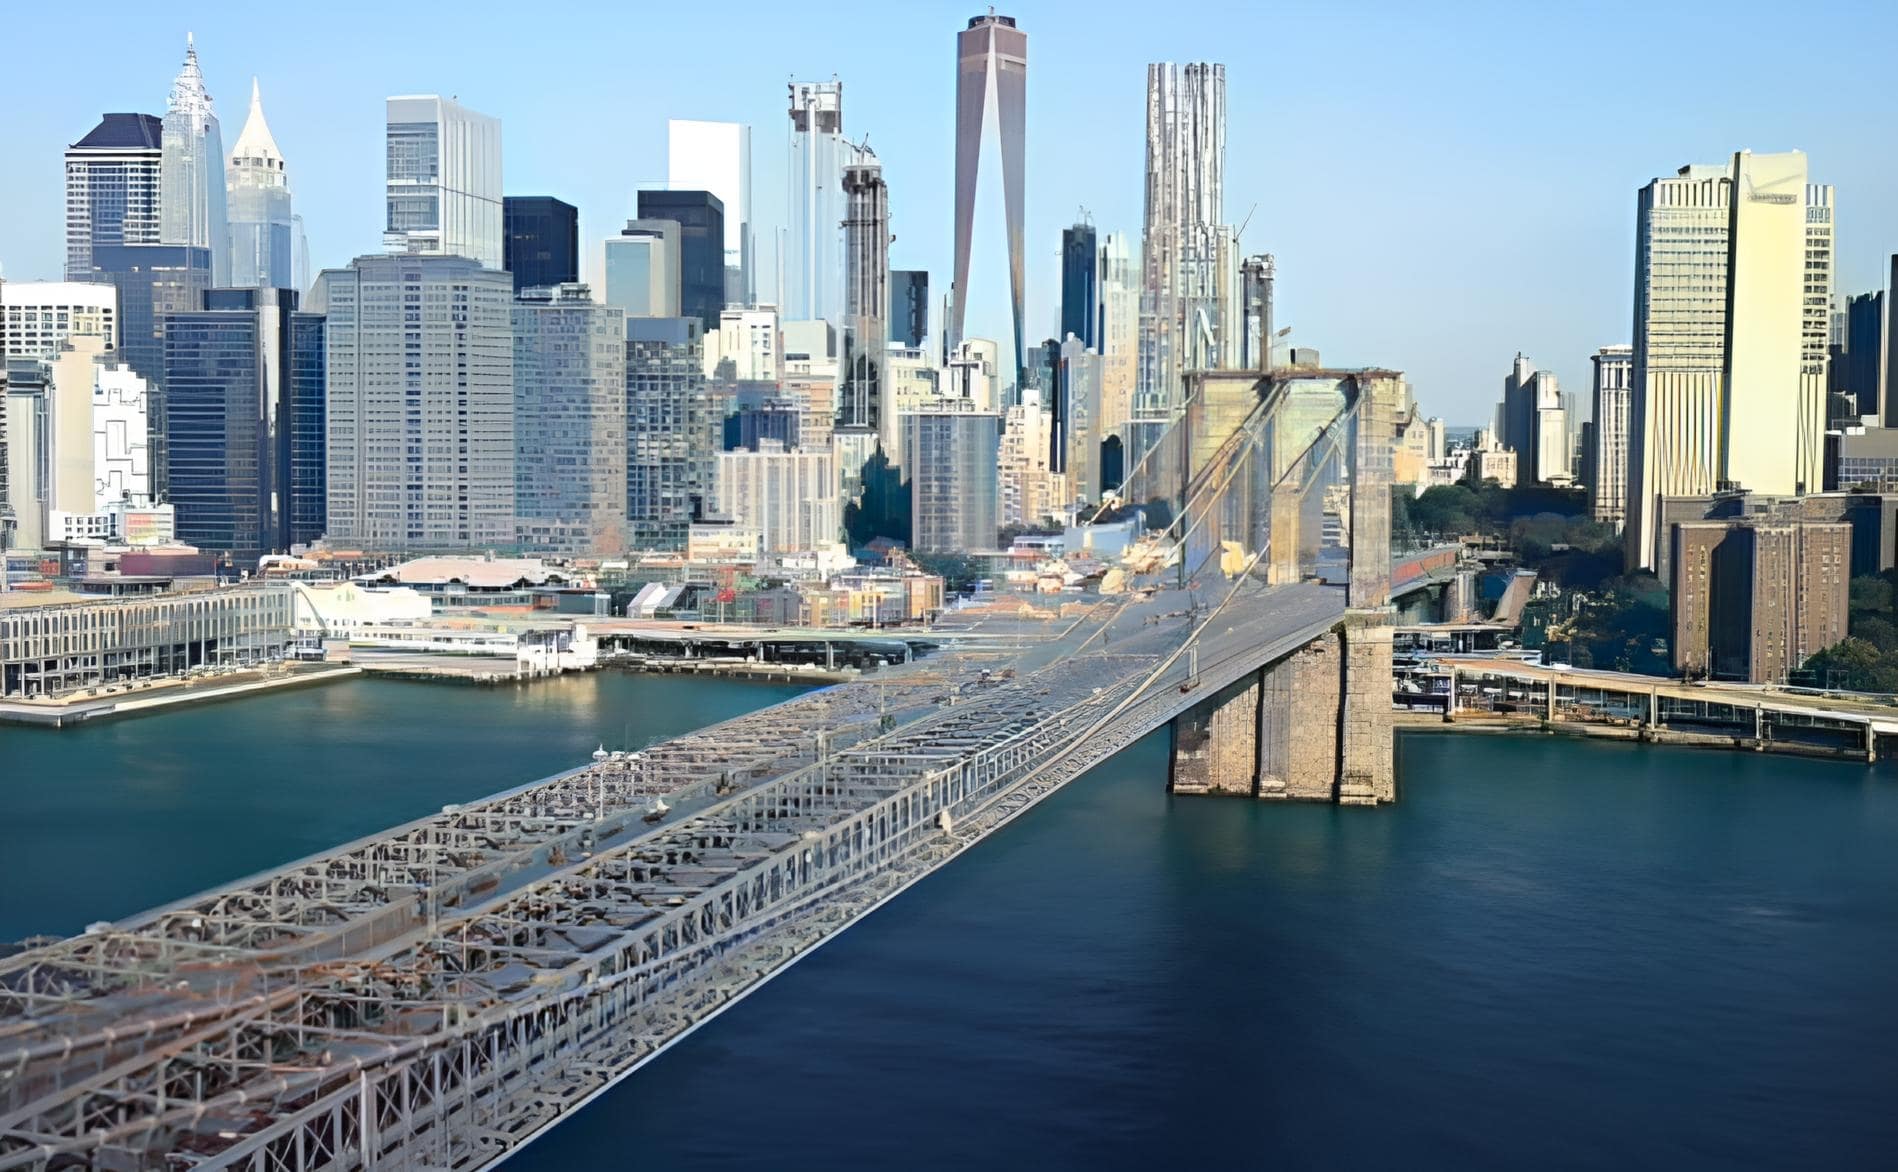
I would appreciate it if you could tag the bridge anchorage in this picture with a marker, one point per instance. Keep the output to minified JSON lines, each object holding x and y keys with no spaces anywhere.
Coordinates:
{"x":438,"y":995}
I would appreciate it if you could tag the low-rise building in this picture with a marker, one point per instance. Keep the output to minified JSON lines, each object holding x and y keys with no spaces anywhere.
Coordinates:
{"x":454,"y":582}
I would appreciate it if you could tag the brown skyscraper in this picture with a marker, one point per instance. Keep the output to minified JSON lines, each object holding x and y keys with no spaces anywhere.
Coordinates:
{"x":1752,"y":600}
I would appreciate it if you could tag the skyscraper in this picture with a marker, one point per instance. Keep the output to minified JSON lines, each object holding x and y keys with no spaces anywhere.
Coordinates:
{"x":950,"y":456}
{"x":309,"y":475}
{"x":1182,"y":239}
{"x":1120,"y":333}
{"x":1608,"y":456}
{"x":1862,"y":373}
{"x":639,"y":269}
{"x":569,"y":422}
{"x":813,"y":264}
{"x":1081,"y":285}
{"x":444,"y":180}
{"x":701,"y":219}
{"x":228,"y":414}
{"x":716,"y":157}
{"x":113,"y":178}
{"x":866,"y":299}
{"x":1720,"y":393}
{"x":991,"y":106}
{"x":541,"y":241}
{"x":909,"y":307}
{"x":263,"y":227}
{"x":420,"y":413}
{"x":193,"y":170}
{"x":672,"y":431}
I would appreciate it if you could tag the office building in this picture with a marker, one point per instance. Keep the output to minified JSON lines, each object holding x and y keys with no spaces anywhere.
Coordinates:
{"x":308,"y":431}
{"x":639,"y":269}
{"x":672,"y":431}
{"x":569,"y":422}
{"x":1751,"y":600}
{"x":263,"y":226}
{"x":1533,"y":421}
{"x":1607,"y":452}
{"x":420,"y":420}
{"x":701,"y":219}
{"x":113,"y":179}
{"x":812,"y":264}
{"x":1081,"y":285}
{"x":444,"y":180}
{"x":1075,"y":442}
{"x":193,"y":206}
{"x":1182,"y":238}
{"x":36,"y":317}
{"x":866,"y":298}
{"x":540,"y":246}
{"x":1862,"y":373}
{"x":1725,"y":382}
{"x":1120,"y":333}
{"x":951,"y":455}
{"x":810,"y":380}
{"x":153,"y":280}
{"x":1029,"y":489}
{"x":909,"y":308}
{"x":788,"y":497}
{"x":716,"y":157}
{"x":748,"y":339}
{"x":228,"y":414}
{"x":991,"y":89}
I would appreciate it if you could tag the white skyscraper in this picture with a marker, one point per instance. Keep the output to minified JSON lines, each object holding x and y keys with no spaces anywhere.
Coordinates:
{"x":444,"y":180}
{"x":716,"y":157}
{"x":789,"y":497}
{"x":813,"y":252}
{"x":1720,"y":390}
{"x":263,"y":228}
{"x":192,"y":192}
{"x":1608,"y":462}
{"x":1183,"y":247}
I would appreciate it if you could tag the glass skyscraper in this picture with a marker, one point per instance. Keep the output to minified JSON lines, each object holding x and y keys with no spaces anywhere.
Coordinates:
{"x":309,"y":480}
{"x":444,"y":180}
{"x":193,"y":170}
{"x":263,"y":227}
{"x":641,"y":269}
{"x":542,"y":244}
{"x":113,"y":177}
{"x":1081,"y":286}
{"x":813,"y":261}
{"x":701,"y":219}
{"x":909,"y":307}
{"x":569,"y":422}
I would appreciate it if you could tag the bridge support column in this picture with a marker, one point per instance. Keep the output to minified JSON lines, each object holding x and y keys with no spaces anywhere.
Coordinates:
{"x":1287,"y":501}
{"x":1367,"y":772}
{"x":1215,"y":743}
{"x":1298,"y":723}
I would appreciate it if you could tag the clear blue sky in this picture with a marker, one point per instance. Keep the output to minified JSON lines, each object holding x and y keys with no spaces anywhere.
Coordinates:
{"x":1443,"y":184}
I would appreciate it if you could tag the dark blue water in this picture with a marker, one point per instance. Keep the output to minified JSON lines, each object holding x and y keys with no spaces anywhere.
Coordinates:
{"x":1550,"y":954}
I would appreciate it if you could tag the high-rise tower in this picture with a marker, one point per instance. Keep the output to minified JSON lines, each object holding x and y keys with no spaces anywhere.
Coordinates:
{"x":113,"y":178}
{"x":1181,"y":248}
{"x":866,"y":298}
{"x":262,"y":229}
{"x":991,"y":97}
{"x":193,"y":170}
{"x":444,"y":180}
{"x":812,"y":265}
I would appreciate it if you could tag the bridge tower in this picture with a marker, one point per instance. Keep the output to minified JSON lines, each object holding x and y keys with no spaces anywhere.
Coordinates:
{"x":1314,"y":725}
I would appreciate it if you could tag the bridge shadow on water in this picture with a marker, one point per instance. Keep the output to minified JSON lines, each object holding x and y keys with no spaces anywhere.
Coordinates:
{"x":1547,"y":954}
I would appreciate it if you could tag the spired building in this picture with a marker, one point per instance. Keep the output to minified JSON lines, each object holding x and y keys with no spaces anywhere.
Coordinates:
{"x":542,"y":244}
{"x":193,"y":208}
{"x":230,"y":421}
{"x":113,"y":178}
{"x":420,"y":436}
{"x":991,"y":107}
{"x":813,"y":265}
{"x":444,"y":180}
{"x":701,"y":219}
{"x":263,"y":227}
{"x":569,"y":422}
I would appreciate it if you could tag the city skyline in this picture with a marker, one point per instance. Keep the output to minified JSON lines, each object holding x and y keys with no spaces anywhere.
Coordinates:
{"x":1573,"y":151}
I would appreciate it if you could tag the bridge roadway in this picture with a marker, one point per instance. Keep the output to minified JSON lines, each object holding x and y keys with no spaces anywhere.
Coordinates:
{"x":438,"y":995}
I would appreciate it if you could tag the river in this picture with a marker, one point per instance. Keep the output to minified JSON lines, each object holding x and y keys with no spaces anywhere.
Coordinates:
{"x":1551,"y":953}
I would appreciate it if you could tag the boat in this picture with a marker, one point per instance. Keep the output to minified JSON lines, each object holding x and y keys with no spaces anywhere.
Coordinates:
{"x":658,"y":810}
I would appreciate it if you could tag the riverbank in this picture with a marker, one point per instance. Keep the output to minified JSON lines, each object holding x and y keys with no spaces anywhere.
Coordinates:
{"x":1432,"y":722}
{"x":155,"y":697}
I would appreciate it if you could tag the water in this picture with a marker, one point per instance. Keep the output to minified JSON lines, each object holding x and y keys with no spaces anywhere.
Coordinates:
{"x":1550,"y":954}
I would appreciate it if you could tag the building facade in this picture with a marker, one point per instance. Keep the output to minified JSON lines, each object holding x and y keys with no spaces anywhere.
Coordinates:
{"x":672,"y":431}
{"x":1182,"y":238}
{"x":639,"y":269}
{"x":701,"y":219}
{"x":1120,"y":332}
{"x":991,"y":67}
{"x":569,"y":422}
{"x":114,"y":176}
{"x":263,"y":225}
{"x":1607,"y":454}
{"x":861,"y":404}
{"x":909,"y":308}
{"x":813,"y":248}
{"x":788,"y":497}
{"x":1081,"y":285}
{"x":1752,"y":600}
{"x":153,"y":281}
{"x":540,"y":244}
{"x":444,"y":180}
{"x":716,"y":157}
{"x":36,"y":317}
{"x":307,"y":434}
{"x":420,"y":435}
{"x":951,"y":458}
{"x":1864,"y":375}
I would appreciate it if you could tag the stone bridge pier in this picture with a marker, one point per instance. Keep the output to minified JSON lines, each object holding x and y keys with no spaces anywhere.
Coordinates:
{"x":1314,"y":726}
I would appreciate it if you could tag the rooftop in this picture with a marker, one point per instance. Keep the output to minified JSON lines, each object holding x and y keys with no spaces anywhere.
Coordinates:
{"x":488,"y":573}
{"x":124,"y":132}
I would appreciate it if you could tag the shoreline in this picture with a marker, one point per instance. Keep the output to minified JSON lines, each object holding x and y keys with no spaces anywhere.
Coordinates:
{"x":1431,"y":722}
{"x":64,"y":714}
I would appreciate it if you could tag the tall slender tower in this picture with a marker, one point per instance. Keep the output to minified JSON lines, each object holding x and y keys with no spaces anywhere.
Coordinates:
{"x":813,"y":265}
{"x":867,"y":298}
{"x":991,"y":89}
{"x":193,"y":170}
{"x":263,"y":241}
{"x":1182,"y":244}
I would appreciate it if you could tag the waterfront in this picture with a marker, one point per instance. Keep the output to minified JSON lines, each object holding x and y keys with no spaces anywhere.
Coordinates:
{"x":1549,"y":952}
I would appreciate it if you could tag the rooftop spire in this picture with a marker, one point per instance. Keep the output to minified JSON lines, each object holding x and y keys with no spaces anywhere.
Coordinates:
{"x":187,"y":89}
{"x":254,"y":141}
